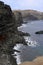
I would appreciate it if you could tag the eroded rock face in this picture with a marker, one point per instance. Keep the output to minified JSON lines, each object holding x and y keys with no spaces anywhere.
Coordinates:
{"x":8,"y":34}
{"x":5,"y":18}
{"x":18,"y":17}
{"x":6,"y":59}
{"x":6,"y":28}
{"x":6,"y":25}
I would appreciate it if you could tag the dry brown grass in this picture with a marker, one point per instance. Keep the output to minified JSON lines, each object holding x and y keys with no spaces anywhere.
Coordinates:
{"x":37,"y":61}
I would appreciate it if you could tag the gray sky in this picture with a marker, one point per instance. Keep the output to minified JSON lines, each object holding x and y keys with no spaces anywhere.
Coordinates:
{"x":25,"y":4}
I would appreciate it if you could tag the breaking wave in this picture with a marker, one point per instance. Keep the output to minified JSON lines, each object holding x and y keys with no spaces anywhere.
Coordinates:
{"x":31,"y":42}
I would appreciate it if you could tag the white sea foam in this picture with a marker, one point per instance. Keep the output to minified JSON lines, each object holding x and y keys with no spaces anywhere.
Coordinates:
{"x":17,"y":54}
{"x":21,"y":47}
{"x":31,"y":42}
{"x":23,"y":25}
{"x":18,"y":46}
{"x":17,"y":58}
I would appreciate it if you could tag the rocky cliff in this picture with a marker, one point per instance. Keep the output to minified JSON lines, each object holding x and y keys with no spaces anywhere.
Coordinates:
{"x":6,"y":27}
{"x":18,"y":17}
{"x":5,"y":18}
{"x":9,"y":34}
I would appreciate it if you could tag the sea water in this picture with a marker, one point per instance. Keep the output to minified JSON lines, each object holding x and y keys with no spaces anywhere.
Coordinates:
{"x":34,"y":46}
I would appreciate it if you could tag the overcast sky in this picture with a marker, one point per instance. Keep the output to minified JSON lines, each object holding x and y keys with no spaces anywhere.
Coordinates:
{"x":25,"y":4}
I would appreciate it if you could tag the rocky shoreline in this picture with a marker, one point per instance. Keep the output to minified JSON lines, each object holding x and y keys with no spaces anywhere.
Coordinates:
{"x":9,"y":35}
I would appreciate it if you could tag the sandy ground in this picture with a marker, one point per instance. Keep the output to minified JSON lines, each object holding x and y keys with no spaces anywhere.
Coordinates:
{"x":37,"y":61}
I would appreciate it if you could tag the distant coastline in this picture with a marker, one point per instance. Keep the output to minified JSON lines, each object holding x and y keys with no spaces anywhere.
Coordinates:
{"x":30,"y":14}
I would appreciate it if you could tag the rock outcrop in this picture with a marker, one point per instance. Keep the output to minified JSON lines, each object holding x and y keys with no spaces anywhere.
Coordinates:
{"x":39,"y":32}
{"x":18,"y":17}
{"x":9,"y":34}
{"x":6,"y":28}
{"x":6,"y":23}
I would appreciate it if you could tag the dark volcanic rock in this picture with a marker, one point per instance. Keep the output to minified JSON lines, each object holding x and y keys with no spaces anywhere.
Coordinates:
{"x":39,"y":32}
{"x":23,"y":34}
